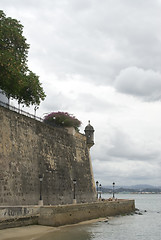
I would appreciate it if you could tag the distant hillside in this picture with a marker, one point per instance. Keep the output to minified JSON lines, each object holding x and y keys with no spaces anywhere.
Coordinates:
{"x":139,"y":186}
{"x":144,"y":188}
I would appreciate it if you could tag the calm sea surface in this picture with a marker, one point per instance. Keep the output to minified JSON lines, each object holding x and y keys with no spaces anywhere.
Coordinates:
{"x":134,"y":227}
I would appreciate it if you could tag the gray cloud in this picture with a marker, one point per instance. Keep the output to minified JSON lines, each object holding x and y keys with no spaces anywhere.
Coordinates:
{"x":139,"y":82}
{"x":94,"y":40}
{"x":119,"y":146}
{"x":127,"y":173}
{"x":123,"y":147}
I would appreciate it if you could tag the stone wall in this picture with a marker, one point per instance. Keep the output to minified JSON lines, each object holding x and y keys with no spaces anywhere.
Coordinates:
{"x":18,"y":211}
{"x":62,"y":214}
{"x":29,"y":148}
{"x":70,"y":214}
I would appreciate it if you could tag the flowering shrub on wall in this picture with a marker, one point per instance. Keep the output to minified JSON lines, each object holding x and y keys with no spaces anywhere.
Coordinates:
{"x":62,"y":119}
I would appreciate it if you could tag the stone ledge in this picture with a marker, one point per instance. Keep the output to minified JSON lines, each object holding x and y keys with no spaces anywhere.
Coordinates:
{"x":70,"y":214}
{"x":18,"y":222}
{"x":60,"y":215}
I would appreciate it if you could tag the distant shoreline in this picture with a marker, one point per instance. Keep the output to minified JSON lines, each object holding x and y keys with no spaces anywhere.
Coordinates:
{"x":133,"y":192}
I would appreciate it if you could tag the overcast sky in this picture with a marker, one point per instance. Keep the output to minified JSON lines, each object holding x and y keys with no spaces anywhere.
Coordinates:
{"x":101,"y":61}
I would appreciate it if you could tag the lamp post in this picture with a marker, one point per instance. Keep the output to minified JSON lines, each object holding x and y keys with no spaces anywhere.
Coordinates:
{"x":40,"y":179}
{"x":113,"y":190}
{"x":97,"y":188}
{"x":35,"y":109}
{"x":100,"y":190}
{"x":74,"y":184}
{"x":22,"y":108}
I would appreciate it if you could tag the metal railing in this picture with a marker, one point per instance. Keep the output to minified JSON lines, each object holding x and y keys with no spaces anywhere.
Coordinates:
{"x":20,"y":111}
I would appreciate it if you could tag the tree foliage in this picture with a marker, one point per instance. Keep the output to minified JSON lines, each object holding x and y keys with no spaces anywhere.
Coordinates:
{"x":62,"y":119}
{"x":16,"y":80}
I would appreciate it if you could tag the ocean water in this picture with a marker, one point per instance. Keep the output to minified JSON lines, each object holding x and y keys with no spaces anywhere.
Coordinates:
{"x":144,"y":226}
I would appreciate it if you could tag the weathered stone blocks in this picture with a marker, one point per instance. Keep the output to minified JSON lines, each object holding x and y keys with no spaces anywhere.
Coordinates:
{"x":28,"y":148}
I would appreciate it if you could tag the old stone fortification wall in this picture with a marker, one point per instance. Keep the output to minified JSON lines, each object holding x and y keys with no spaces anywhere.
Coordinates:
{"x":29,"y":148}
{"x":62,"y":214}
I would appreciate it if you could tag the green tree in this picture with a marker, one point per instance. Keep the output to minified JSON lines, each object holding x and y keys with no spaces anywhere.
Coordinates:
{"x":16,"y":80}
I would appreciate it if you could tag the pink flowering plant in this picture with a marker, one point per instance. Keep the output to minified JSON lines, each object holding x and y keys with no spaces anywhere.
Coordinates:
{"x":62,"y":119}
